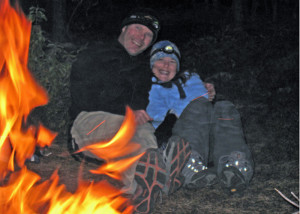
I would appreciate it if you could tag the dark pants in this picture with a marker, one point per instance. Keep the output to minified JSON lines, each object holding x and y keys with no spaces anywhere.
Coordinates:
{"x":213,"y":130}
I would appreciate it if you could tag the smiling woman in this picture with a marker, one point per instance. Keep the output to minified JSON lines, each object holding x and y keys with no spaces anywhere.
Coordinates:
{"x":164,"y":69}
{"x":164,"y":60}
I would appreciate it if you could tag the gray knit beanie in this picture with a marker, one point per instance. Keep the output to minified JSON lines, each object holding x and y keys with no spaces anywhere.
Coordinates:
{"x":162,"y":49}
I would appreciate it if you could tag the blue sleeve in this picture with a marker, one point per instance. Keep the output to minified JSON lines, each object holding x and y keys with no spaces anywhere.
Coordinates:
{"x":202,"y":90}
{"x":157,"y":108}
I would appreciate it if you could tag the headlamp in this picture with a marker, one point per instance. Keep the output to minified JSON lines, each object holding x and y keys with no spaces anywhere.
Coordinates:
{"x":168,"y":50}
{"x":147,"y":19}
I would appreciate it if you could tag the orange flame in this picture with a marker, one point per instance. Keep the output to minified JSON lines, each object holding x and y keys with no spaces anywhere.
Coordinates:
{"x":118,"y":146}
{"x":22,"y":191}
{"x":23,"y":194}
{"x":19,"y":93}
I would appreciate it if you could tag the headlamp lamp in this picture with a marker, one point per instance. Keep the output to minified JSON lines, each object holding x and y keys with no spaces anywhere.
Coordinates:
{"x":168,"y":50}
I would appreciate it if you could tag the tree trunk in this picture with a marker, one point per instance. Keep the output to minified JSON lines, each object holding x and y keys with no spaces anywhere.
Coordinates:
{"x":58,"y":24}
{"x":255,"y":4}
{"x":238,"y":13}
{"x":207,"y":4}
{"x":267,"y":7}
{"x":274,"y":10}
{"x":216,"y":4}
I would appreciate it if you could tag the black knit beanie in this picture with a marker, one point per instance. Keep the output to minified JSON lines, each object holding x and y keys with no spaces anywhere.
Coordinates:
{"x":144,"y":17}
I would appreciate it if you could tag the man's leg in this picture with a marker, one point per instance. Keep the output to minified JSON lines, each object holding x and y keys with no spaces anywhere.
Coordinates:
{"x":144,"y":135}
{"x":231,"y":154}
{"x":93,"y":127}
{"x":147,"y":177}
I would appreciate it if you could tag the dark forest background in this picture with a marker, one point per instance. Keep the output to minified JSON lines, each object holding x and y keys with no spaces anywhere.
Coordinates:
{"x":252,"y":46}
{"x":68,"y":19}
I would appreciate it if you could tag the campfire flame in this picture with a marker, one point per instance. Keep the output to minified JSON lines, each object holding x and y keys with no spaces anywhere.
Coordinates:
{"x":19,"y":93}
{"x":21,"y":191}
{"x":117,"y":147}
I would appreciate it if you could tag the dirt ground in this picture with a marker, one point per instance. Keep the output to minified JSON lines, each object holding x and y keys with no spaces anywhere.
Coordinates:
{"x":261,"y":196}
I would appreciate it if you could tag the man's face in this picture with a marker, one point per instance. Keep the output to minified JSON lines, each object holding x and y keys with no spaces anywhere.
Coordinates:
{"x":135,"y":38}
{"x":164,"y":69}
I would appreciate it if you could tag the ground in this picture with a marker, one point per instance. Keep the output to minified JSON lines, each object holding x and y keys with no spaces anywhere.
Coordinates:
{"x":260,"y":197}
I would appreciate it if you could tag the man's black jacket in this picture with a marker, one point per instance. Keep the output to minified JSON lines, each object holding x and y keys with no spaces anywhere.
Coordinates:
{"x":106,"y":78}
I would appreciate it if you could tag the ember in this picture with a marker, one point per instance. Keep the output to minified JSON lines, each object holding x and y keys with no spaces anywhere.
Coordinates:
{"x":21,"y":191}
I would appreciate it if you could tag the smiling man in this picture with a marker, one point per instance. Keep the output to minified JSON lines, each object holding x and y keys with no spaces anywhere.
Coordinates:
{"x":109,"y":76}
{"x":135,"y":38}
{"x":105,"y":79}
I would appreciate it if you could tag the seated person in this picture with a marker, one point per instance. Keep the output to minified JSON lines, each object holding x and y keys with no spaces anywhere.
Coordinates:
{"x":209,"y":128}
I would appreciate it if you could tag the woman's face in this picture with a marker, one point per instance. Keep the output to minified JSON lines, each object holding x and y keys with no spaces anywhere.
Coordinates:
{"x":164,"y":69}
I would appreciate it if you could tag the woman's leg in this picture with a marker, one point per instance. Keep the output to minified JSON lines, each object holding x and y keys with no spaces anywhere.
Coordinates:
{"x":194,"y":126}
{"x":231,"y":154}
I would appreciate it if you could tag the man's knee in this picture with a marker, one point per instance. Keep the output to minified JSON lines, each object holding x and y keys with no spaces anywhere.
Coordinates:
{"x":145,"y":136}
{"x":92,"y":127}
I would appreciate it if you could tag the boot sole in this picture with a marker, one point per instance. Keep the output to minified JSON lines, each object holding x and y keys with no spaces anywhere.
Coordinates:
{"x":151,"y":176}
{"x":177,"y":154}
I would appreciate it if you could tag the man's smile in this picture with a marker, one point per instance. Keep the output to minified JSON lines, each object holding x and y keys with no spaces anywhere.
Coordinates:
{"x":137,"y":43}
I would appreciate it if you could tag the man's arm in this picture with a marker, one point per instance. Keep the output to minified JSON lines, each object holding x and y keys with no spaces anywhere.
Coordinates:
{"x":81,"y":84}
{"x":141,"y":117}
{"x":220,"y":82}
{"x":141,"y":87}
{"x":211,"y":91}
{"x":90,"y":79}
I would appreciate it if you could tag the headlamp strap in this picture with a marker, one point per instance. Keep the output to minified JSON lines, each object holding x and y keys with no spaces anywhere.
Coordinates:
{"x":177,"y":83}
{"x":148,"y":18}
{"x":180,"y":89}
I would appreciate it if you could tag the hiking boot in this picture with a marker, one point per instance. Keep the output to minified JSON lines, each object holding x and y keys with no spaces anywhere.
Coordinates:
{"x":73,"y":148}
{"x":235,"y":172}
{"x":176,"y":155}
{"x":232,"y":181}
{"x":45,"y":152}
{"x":151,"y":177}
{"x":162,"y":147}
{"x":204,"y":178}
{"x":196,"y":173}
{"x":34,"y":159}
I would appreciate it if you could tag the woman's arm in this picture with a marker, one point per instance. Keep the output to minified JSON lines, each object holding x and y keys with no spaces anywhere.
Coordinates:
{"x":157,"y":108}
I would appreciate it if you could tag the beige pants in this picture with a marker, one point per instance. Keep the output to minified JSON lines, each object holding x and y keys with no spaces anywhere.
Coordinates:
{"x":83,"y":135}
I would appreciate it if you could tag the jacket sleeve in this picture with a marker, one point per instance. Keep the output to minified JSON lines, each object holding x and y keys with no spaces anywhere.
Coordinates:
{"x":89,"y":81}
{"x":82,"y":84}
{"x":157,"y":108}
{"x":141,"y":87}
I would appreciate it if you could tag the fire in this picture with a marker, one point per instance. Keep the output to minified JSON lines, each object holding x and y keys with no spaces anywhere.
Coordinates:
{"x":19,"y":93}
{"x":21,"y":191}
{"x":117,"y":147}
{"x":23,"y":194}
